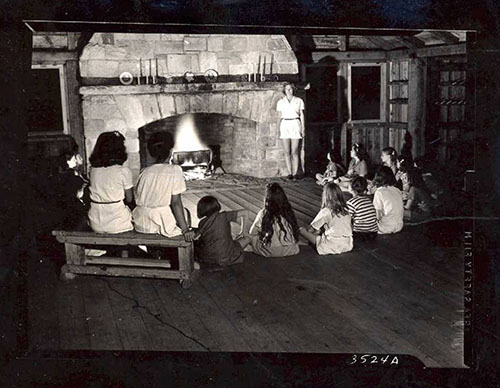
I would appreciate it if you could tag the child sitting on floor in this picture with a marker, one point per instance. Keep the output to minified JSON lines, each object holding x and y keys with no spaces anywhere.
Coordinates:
{"x":389,"y":158}
{"x":334,"y":169}
{"x":415,"y":192}
{"x":388,"y":202}
{"x":357,"y":166}
{"x":275,"y":232}
{"x":214,"y":244}
{"x":362,"y":211}
{"x":331,"y":230}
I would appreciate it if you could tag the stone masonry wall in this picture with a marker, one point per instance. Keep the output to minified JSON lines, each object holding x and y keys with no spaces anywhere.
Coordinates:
{"x":128,"y":108}
{"x":110,"y":54}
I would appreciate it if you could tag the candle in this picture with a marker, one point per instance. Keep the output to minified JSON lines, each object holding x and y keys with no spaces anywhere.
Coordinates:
{"x":139,"y":77}
{"x":153,"y":77}
{"x":254,"y":73}
{"x":264,"y":66}
{"x":271,"y":66}
{"x":258,"y":68}
{"x":156,"y":60}
{"x":140,"y":66}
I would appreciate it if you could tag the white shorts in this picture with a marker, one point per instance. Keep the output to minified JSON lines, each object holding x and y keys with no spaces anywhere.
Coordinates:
{"x":290,"y":129}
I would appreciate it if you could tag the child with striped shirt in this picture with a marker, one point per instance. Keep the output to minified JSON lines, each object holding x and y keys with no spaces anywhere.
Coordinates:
{"x":362,"y":211}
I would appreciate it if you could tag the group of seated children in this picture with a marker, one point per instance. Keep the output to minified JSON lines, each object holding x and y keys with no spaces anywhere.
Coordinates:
{"x":158,"y":208}
{"x":408,"y":178}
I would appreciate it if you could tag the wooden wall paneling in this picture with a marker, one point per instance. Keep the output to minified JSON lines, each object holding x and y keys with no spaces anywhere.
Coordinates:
{"x":416,"y":104}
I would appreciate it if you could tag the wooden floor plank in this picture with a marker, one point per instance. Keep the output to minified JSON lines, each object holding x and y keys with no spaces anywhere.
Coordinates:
{"x":184,"y":316}
{"x":295,"y":317}
{"x":101,"y":321}
{"x":160,"y":324}
{"x":73,"y":325}
{"x":224,"y":334}
{"x":221,"y":287}
{"x":43,"y":325}
{"x":131,"y":327}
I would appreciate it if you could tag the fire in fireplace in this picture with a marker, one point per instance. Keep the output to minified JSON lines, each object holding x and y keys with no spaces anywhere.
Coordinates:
{"x":195,"y":164}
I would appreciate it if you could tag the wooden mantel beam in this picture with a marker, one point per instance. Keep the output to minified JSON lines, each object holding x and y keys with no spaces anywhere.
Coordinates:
{"x":410,"y":41}
{"x":445,"y":36}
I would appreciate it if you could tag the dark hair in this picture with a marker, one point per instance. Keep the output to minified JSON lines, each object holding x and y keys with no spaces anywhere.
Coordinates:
{"x":276,"y":208}
{"x":359,"y":184}
{"x":333,"y":199}
{"x":294,"y":88}
{"x":360,"y":151}
{"x":414,"y":176}
{"x":392,"y":153}
{"x":160,"y":144}
{"x":109,"y":150}
{"x":384,"y":177}
{"x":207,"y":206}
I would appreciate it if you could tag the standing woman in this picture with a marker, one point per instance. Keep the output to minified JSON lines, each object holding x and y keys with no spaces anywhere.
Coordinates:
{"x":291,"y":125}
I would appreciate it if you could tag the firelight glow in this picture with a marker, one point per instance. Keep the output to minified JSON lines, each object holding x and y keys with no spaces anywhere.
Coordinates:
{"x":186,"y":138}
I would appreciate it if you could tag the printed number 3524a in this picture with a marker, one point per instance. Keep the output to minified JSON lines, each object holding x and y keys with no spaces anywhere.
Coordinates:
{"x":373,"y":359}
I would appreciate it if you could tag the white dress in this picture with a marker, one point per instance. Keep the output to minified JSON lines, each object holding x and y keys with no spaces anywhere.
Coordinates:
{"x":290,"y":125}
{"x":337,"y":234}
{"x":108,"y":213}
{"x":388,"y":201}
{"x":153,"y":194}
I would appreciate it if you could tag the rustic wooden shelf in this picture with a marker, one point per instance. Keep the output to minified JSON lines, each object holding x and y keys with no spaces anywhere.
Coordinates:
{"x":398,"y":101}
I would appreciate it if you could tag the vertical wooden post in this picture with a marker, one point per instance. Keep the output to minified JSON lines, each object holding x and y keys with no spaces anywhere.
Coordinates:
{"x":416,"y":104}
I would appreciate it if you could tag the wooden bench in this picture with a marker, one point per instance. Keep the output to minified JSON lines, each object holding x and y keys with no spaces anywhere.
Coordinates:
{"x":77,"y":262}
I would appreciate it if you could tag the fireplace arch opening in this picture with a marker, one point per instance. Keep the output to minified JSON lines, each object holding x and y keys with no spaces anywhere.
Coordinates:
{"x":232,"y":139}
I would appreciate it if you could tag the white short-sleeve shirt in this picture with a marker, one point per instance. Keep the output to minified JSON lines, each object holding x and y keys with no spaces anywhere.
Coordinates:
{"x":388,"y":201}
{"x":154,"y":190}
{"x":108,"y":213}
{"x":290,"y":109}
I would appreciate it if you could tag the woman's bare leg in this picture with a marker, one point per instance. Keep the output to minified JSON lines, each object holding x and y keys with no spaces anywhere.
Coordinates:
{"x":295,"y":155}
{"x":286,"y":148}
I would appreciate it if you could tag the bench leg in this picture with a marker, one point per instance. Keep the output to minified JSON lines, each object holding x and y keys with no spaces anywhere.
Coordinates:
{"x":186,"y":266}
{"x":75,"y":254}
{"x":186,"y":259}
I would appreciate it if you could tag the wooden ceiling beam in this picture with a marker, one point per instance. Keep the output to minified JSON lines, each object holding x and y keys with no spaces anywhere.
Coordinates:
{"x":379,"y":42}
{"x":410,"y":41}
{"x":436,"y":51}
{"x":445,"y":36}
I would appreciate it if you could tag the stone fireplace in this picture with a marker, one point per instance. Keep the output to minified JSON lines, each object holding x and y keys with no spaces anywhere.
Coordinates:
{"x":230,"y":112}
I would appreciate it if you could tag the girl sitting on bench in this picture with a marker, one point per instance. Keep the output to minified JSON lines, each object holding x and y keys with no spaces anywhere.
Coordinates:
{"x":158,"y":193}
{"x":110,"y":184}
